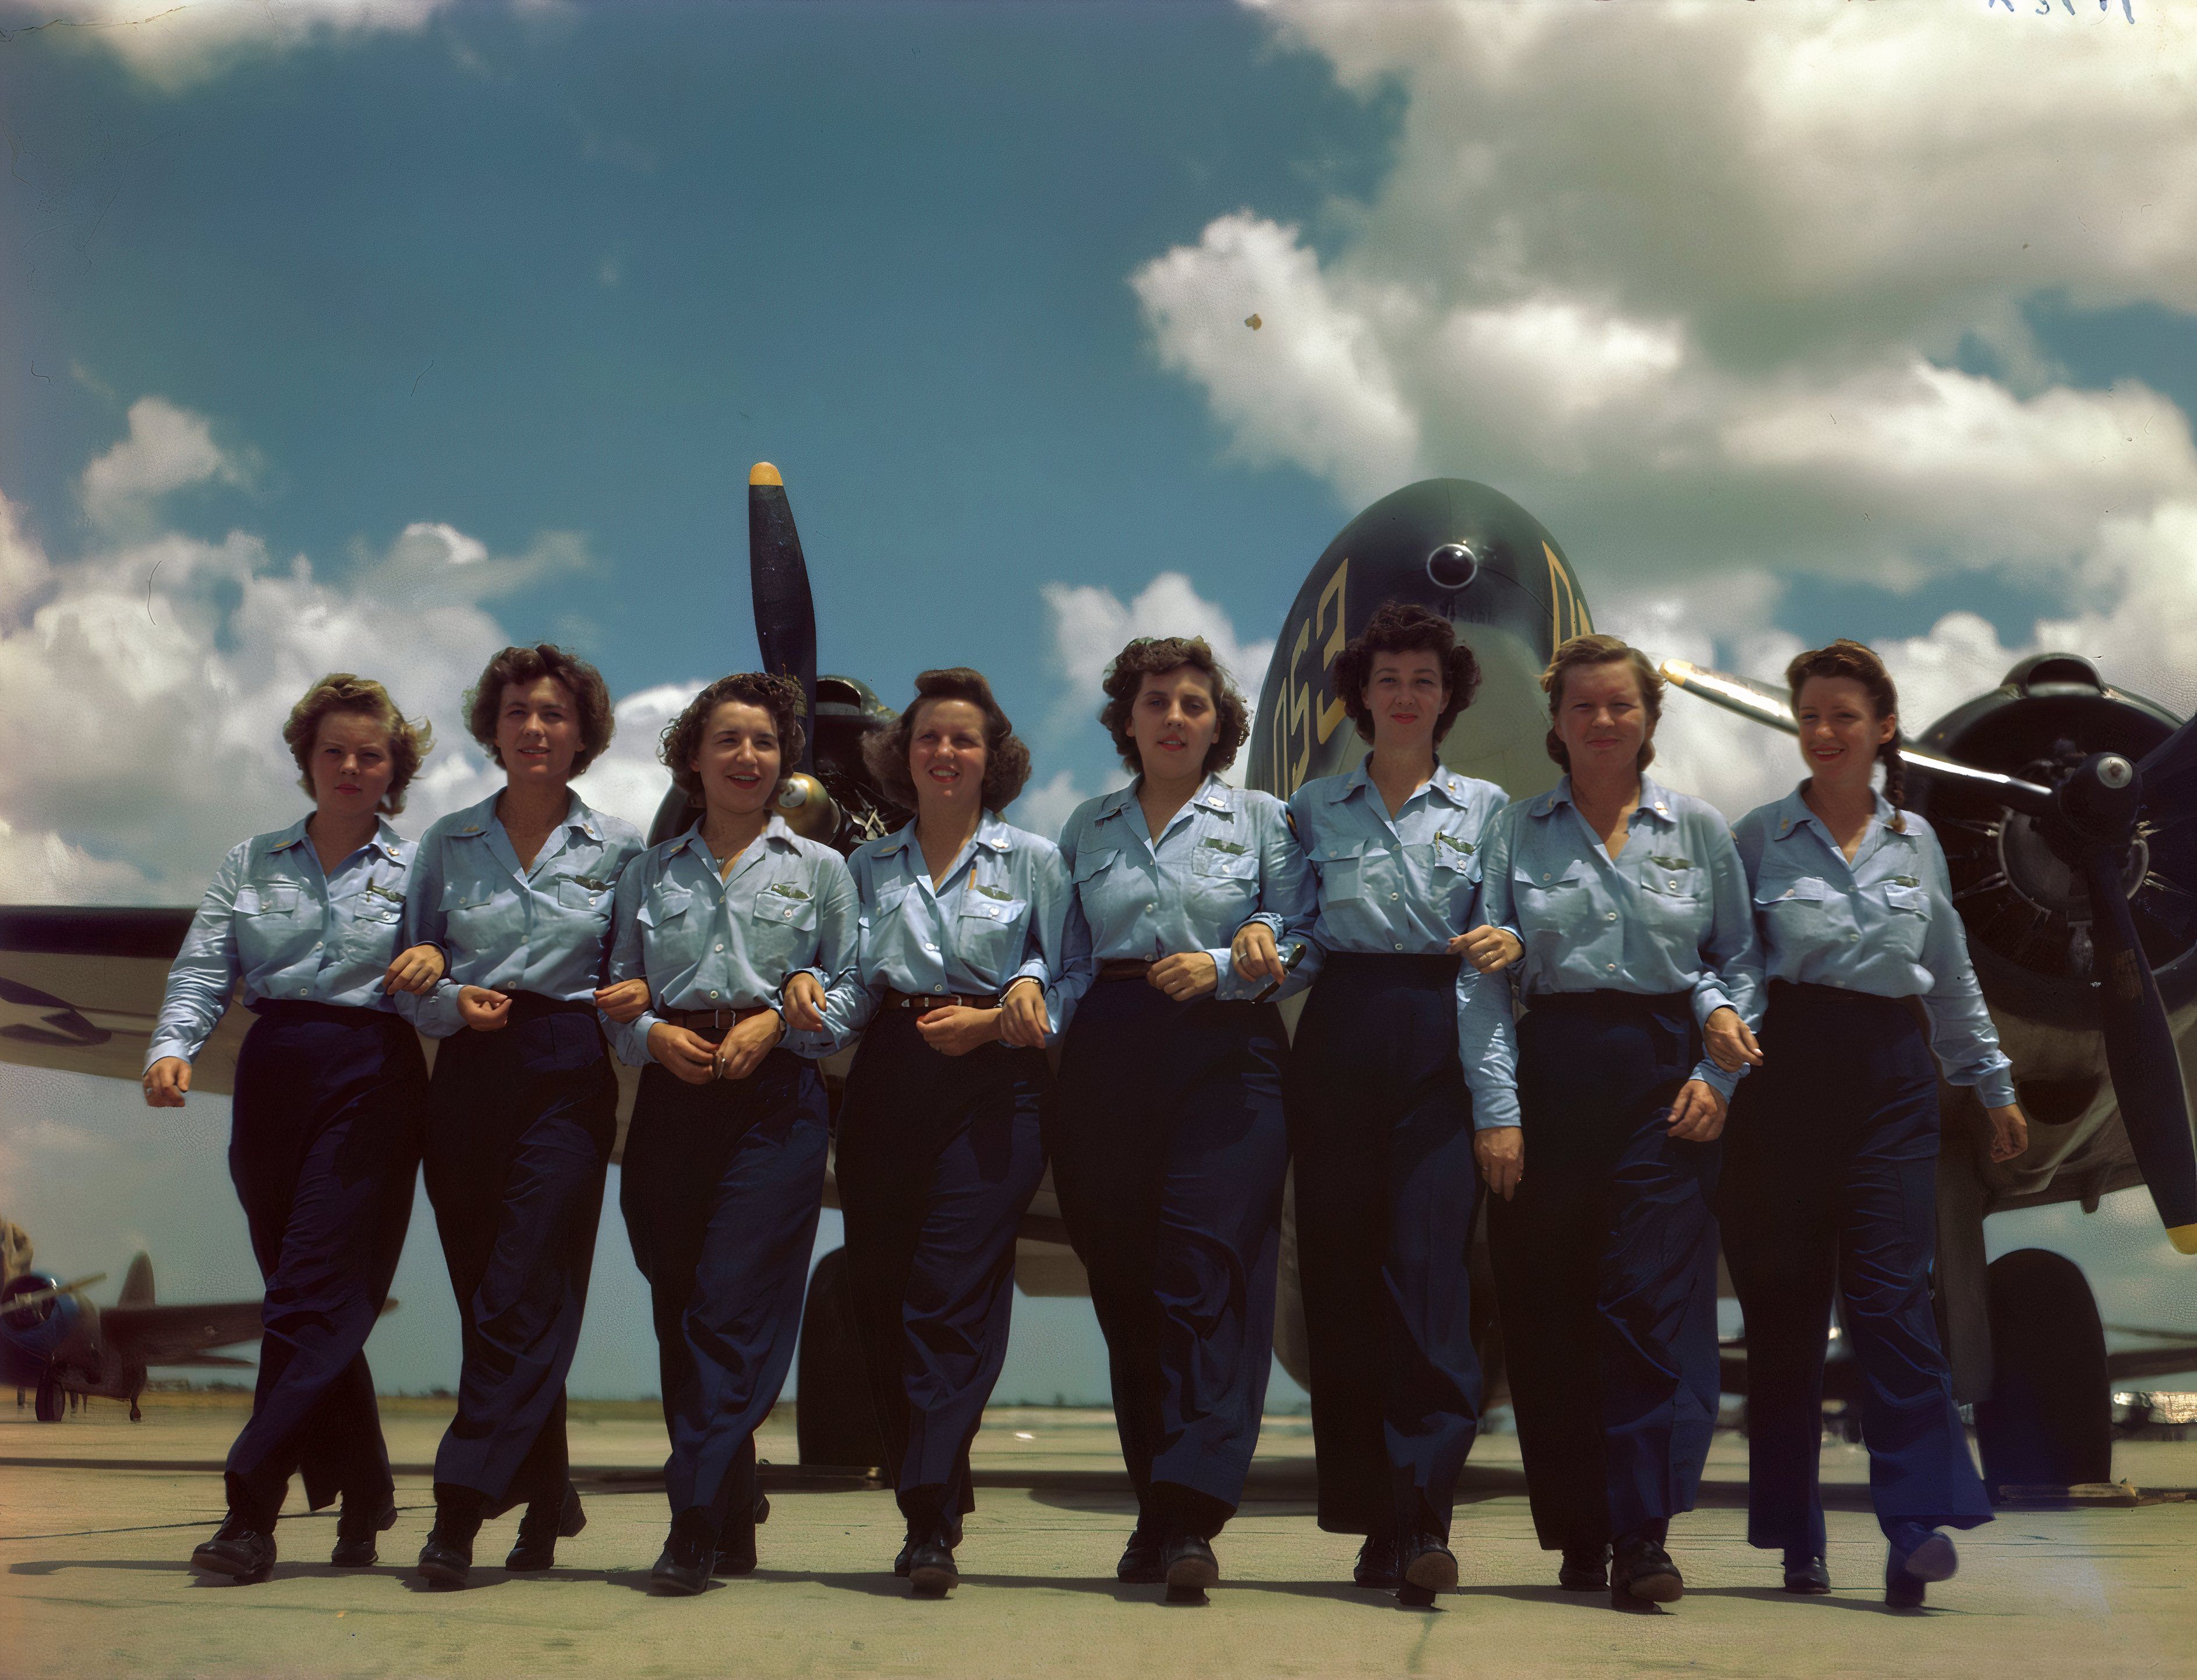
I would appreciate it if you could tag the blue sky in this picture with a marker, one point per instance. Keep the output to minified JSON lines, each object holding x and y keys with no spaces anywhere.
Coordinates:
{"x":482,"y":312}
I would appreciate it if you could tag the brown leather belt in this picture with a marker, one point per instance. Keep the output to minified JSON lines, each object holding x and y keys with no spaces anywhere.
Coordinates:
{"x":1124,"y":968}
{"x":924,"y":1001}
{"x":711,"y":1024}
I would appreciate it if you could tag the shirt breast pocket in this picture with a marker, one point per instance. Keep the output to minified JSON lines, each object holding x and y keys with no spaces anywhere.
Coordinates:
{"x":1552,"y":905}
{"x":989,"y":933}
{"x":1452,"y":873}
{"x":782,"y":934}
{"x":373,"y":929}
{"x":1341,"y":866}
{"x":662,"y":918}
{"x":1223,"y":883}
{"x":583,"y":897}
{"x":265,"y":898}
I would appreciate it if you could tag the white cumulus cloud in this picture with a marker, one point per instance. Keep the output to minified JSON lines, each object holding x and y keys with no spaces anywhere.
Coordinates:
{"x":179,"y":45}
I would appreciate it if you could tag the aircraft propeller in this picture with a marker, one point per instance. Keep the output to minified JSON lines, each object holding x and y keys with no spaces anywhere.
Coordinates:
{"x":33,"y":1300}
{"x":2092,"y":818}
{"x":786,"y":635}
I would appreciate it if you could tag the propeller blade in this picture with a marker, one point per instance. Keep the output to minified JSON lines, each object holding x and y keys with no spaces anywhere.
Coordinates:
{"x":2169,"y":763}
{"x":40,"y":1297}
{"x":785,"y":613}
{"x":1752,"y":700}
{"x":2139,"y":1053}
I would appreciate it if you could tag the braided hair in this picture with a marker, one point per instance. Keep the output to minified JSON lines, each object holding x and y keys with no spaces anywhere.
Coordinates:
{"x":1849,"y":659}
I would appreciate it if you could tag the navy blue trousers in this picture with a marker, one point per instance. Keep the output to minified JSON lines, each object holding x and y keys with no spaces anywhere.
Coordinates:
{"x":1605,"y":1269}
{"x":1831,"y":1183}
{"x":1387,"y":1192}
{"x":519,"y":1141}
{"x":938,"y":1158}
{"x":1170,"y":1149}
{"x":324,"y":1140}
{"x":720,"y":1187}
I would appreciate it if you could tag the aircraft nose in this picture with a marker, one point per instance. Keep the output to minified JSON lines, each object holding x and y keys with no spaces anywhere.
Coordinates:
{"x":1452,"y":566}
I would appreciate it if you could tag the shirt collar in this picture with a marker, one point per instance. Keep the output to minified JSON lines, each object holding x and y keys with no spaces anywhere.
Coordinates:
{"x":1445,"y":782}
{"x":1213,"y":794}
{"x":1794,"y":815}
{"x":578,"y":813}
{"x":385,"y":839}
{"x":994,"y":834}
{"x":775,"y":831}
{"x":1656,"y":800}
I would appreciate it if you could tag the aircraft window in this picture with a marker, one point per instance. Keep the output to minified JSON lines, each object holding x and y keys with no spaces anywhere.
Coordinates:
{"x":1452,"y":566}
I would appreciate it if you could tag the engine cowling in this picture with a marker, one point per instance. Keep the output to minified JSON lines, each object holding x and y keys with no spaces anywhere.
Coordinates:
{"x":2024,"y":904}
{"x":39,"y":1328}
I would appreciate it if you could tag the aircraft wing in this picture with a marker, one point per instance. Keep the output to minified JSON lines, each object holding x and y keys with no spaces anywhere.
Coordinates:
{"x":2152,"y":1361}
{"x":80,"y":987}
{"x":177,"y":1335}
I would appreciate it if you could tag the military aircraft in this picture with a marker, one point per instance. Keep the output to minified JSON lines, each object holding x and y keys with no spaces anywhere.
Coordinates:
{"x":53,"y":1340}
{"x":1472,"y":553}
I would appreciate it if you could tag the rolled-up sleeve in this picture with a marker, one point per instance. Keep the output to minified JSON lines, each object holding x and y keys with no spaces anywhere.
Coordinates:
{"x":203,"y":974}
{"x":1731,"y":951}
{"x":1487,"y":1017}
{"x":1962,"y":1034}
{"x":630,"y":1040}
{"x":837,"y":967}
{"x":1288,"y":891}
{"x":435,"y":1011}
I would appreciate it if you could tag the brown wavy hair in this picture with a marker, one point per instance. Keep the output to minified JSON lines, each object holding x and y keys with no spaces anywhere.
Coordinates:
{"x":340,"y":691}
{"x":1599,"y":650}
{"x":1404,"y":626}
{"x":779,"y":696}
{"x":591,"y":697}
{"x":1006,"y":760}
{"x":1156,"y":655}
{"x":1851,"y":659}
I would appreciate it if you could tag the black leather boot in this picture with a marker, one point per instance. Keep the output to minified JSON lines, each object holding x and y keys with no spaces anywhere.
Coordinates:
{"x":683,"y":1570}
{"x":356,"y":1525}
{"x":545,"y":1523}
{"x":448,"y":1557}
{"x":242,"y":1548}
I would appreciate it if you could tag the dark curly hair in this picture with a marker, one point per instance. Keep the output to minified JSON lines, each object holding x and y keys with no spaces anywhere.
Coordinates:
{"x":1851,"y":659}
{"x":779,"y":696}
{"x":1006,"y":760}
{"x":341,"y":691}
{"x":1599,"y":650}
{"x":591,"y":697}
{"x":1156,"y":655}
{"x":1404,"y":626}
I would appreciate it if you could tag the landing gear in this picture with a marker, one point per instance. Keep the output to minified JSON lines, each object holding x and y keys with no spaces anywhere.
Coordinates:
{"x":50,"y":1404}
{"x":2048,"y":1422}
{"x":834,"y":1421}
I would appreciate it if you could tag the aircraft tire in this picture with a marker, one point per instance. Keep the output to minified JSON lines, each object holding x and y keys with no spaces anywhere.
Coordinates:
{"x":2048,"y":1422}
{"x":834,"y":1422}
{"x":50,"y":1404}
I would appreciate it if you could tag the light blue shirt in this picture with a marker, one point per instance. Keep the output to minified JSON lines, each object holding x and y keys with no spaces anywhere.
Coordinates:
{"x":1407,"y":884}
{"x":1884,"y":924}
{"x":273,"y":920}
{"x":1226,"y":858}
{"x":510,"y":928}
{"x":702,"y":942}
{"x":998,"y":915}
{"x":1669,"y":913}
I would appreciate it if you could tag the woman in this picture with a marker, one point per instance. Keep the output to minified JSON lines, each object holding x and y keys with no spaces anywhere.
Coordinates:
{"x":1830,"y":1172}
{"x":324,"y":1132}
{"x":1169,"y":1146}
{"x":1381,"y":1125}
{"x":1625,"y":906}
{"x":962,"y":921}
{"x":728,"y":937}
{"x":516,"y":892}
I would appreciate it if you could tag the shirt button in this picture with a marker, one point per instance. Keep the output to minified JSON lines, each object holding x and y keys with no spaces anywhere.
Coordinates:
{"x":1853,"y":938}
{"x":1392,"y":897}
{"x":1612,"y":967}
{"x":1544,"y":877}
{"x":713,"y":994}
{"x":1611,"y":917}
{"x":721,"y":947}
{"x":1400,"y":945}
{"x":1674,"y":886}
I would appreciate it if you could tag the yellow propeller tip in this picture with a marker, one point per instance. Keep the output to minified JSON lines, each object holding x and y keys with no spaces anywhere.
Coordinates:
{"x":762,"y":472}
{"x":2183,"y":1237}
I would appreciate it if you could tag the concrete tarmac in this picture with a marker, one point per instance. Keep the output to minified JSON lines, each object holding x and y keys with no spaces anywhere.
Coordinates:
{"x":97,"y":1518}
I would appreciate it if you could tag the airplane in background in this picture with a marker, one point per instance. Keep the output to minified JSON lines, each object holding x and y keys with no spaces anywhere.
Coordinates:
{"x":2024,"y":1334}
{"x":53,"y":1340}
